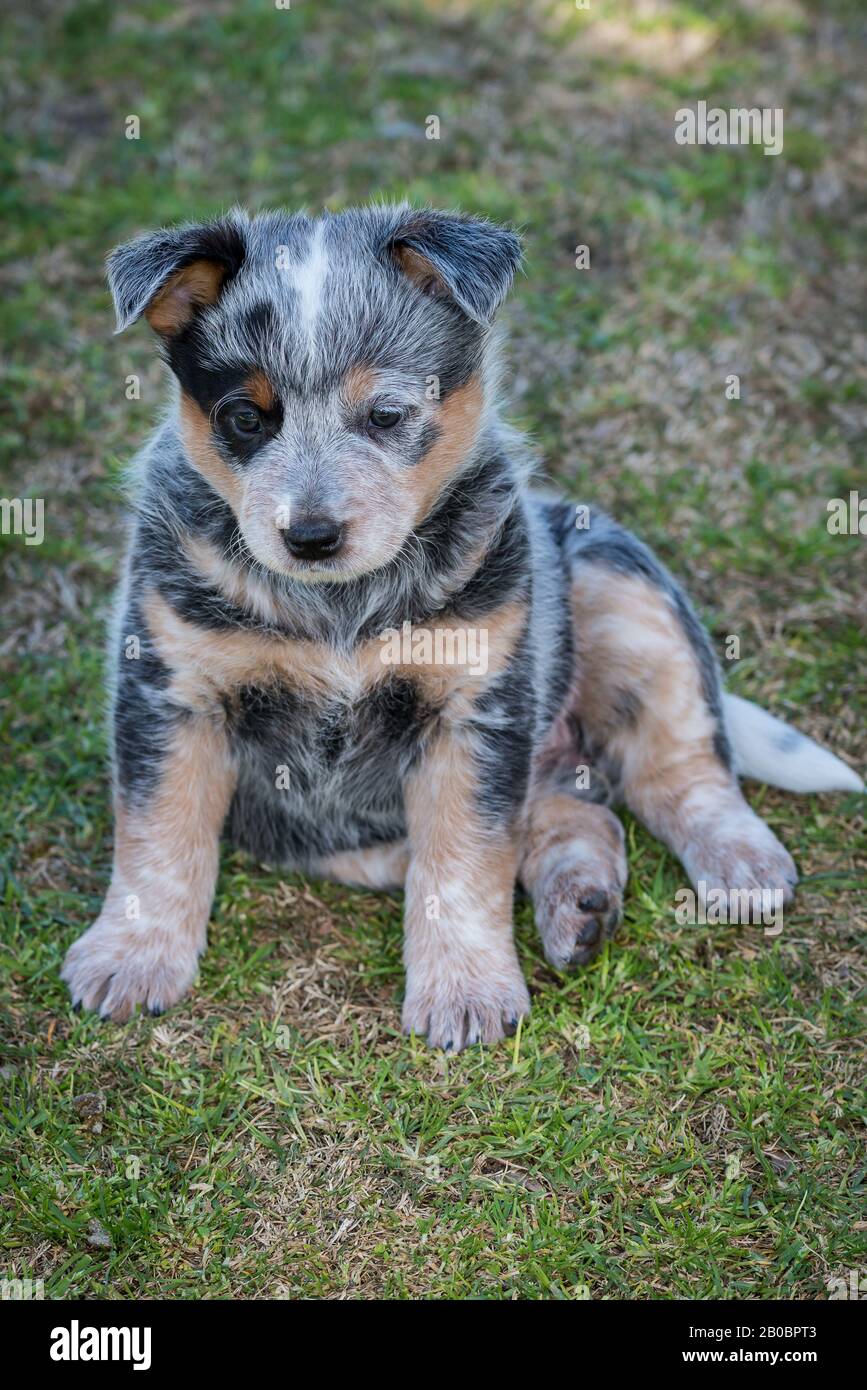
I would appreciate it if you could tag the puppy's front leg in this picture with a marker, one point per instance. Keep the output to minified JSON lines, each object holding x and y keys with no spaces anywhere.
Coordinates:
{"x":175,"y":784}
{"x":463,"y":981}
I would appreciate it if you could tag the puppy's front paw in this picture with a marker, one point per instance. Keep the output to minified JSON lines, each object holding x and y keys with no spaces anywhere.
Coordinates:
{"x":456,"y":1012}
{"x":115,"y":966}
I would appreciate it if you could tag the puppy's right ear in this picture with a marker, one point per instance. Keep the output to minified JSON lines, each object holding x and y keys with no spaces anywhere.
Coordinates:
{"x":169,"y":275}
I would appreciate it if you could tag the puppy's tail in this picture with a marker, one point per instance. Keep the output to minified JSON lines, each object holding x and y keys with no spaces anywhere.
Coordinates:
{"x":774,"y":752}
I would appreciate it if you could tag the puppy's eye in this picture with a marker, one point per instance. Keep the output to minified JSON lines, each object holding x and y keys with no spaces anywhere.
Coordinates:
{"x":244,"y":421}
{"x":384,"y":417}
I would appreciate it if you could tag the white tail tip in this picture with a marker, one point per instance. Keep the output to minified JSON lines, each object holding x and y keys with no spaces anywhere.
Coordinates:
{"x":773,"y":752}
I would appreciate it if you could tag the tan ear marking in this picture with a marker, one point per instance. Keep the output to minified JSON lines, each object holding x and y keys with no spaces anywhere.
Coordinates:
{"x":191,"y":288}
{"x":420,"y":271}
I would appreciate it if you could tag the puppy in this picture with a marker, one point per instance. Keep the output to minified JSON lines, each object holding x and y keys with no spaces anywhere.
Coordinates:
{"x":354,"y":642}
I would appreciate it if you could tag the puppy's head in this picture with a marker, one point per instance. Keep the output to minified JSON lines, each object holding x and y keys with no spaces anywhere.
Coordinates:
{"x":331,"y":370}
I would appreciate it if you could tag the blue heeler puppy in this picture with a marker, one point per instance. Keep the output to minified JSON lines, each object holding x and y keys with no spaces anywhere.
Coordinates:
{"x":331,"y":519}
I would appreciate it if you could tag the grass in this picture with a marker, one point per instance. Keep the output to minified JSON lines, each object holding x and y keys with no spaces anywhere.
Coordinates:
{"x":684,"y":1119}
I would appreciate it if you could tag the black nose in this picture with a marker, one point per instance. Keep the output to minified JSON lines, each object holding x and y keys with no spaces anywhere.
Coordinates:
{"x":313,"y":538}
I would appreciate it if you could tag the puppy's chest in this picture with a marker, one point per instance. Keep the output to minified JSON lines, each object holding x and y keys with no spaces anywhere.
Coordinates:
{"x":326,"y":741}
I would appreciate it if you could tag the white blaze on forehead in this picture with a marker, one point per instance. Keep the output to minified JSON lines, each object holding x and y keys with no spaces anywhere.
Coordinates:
{"x":308,"y":280}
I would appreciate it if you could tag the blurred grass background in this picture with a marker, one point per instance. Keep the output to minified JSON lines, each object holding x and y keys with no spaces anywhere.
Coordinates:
{"x":274,"y":1136}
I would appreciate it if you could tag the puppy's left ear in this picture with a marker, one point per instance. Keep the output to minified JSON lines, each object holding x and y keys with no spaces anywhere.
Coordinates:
{"x":466,"y":259}
{"x":171,"y":274}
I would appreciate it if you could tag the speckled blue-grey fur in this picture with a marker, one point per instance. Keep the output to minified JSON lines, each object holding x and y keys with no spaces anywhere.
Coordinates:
{"x":347,"y":764}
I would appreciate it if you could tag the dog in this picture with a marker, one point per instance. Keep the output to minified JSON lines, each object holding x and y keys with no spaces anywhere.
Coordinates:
{"x":331,"y":521}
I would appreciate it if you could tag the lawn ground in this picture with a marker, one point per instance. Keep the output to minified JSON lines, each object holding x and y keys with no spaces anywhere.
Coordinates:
{"x":683,"y":1119}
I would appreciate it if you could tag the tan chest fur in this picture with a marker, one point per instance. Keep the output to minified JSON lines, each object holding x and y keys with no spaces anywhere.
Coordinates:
{"x":208,"y":665}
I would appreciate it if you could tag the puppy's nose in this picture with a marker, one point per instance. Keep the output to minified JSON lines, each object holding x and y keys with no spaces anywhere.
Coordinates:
{"x":313,"y":538}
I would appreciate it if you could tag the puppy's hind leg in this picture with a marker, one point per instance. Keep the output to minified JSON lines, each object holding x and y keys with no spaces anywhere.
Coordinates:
{"x":649,"y":695}
{"x":573,"y":866}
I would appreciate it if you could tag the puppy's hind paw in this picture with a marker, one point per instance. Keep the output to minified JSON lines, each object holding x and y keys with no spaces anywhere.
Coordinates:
{"x":742,"y":859}
{"x":575,"y":915}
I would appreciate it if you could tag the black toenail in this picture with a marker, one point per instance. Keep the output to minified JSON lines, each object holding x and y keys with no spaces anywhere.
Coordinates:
{"x":449,"y":1045}
{"x":582,"y":954}
{"x":76,"y":1008}
{"x":594,"y":902}
{"x":156,"y":1013}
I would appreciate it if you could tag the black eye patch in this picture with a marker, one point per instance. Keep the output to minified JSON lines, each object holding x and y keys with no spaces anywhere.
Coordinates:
{"x":242,"y":420}
{"x":244,"y":426}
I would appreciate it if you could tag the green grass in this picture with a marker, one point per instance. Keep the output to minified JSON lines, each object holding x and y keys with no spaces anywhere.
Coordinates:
{"x":683,"y":1119}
